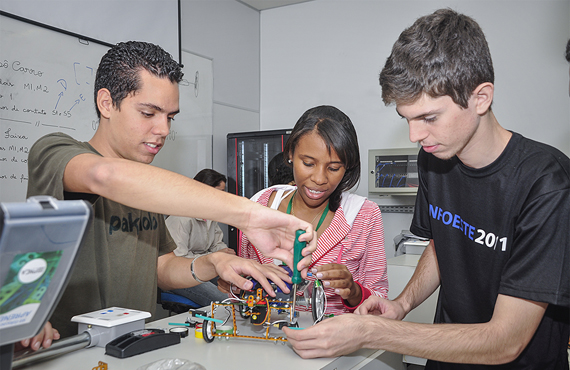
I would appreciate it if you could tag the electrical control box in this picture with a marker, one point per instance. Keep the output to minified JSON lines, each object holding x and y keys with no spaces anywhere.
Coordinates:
{"x":393,"y":171}
{"x":109,"y":323}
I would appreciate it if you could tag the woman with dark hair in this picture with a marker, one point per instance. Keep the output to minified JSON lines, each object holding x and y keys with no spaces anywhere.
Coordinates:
{"x":211,"y":177}
{"x":279,"y":171}
{"x":196,"y":237}
{"x":350,"y":257}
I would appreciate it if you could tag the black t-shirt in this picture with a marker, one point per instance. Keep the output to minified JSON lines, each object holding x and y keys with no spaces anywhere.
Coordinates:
{"x":501,"y":229}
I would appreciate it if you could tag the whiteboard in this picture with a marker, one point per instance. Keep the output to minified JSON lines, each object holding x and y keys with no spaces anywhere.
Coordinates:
{"x":188,"y":147}
{"x":46,"y":85}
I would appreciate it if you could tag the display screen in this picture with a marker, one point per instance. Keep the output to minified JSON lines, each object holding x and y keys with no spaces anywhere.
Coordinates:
{"x":396,"y":171}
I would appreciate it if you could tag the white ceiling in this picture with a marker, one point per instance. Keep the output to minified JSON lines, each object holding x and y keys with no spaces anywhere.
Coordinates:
{"x":268,"y":4}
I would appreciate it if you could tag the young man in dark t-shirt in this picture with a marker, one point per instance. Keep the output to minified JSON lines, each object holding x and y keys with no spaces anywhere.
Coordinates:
{"x":495,"y":206}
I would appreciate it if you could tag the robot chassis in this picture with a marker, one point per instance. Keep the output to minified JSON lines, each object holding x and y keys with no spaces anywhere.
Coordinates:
{"x":257,"y":307}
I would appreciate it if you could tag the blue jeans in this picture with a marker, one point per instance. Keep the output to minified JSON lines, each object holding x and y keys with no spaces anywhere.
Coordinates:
{"x":202,"y":294}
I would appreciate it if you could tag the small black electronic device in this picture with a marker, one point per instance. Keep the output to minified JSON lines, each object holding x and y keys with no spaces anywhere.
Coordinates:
{"x":140,"y":341}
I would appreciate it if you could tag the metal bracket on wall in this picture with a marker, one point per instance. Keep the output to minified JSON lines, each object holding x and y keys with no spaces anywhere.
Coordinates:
{"x":397,"y":209}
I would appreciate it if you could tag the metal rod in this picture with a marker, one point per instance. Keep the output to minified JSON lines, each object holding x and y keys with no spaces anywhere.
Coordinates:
{"x":58,"y":347}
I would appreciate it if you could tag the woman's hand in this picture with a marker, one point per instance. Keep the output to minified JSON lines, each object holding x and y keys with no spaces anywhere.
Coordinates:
{"x":337,"y":276}
{"x":224,"y":287}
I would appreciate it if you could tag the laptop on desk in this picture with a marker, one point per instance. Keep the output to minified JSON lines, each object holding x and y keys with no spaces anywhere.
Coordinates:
{"x":39,"y":243}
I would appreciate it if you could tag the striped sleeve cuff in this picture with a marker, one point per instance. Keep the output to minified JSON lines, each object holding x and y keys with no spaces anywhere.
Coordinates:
{"x":365,"y":294}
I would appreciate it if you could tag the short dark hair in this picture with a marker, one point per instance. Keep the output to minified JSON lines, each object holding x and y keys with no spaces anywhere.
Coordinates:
{"x":210,"y":177}
{"x":279,"y":171}
{"x":444,"y":53}
{"x":119,"y":69}
{"x":568,"y":51}
{"x":338,"y":133}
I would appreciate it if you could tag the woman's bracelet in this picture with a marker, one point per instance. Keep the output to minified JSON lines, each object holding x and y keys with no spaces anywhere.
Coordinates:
{"x":192,"y":270}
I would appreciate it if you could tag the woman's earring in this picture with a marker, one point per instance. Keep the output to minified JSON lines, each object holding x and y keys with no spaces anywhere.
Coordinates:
{"x":289,"y":161}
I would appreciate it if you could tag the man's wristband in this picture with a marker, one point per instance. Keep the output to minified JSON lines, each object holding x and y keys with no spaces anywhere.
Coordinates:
{"x":192,"y":270}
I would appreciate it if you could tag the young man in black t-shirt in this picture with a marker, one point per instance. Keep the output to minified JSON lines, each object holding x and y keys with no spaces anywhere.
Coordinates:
{"x":496,"y":207}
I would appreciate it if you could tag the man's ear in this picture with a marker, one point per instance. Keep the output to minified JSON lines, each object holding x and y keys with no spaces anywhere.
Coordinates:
{"x":484,"y":97}
{"x":104,"y":102}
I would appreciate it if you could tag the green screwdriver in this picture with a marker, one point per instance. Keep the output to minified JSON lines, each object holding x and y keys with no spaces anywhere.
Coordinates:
{"x":296,"y":278}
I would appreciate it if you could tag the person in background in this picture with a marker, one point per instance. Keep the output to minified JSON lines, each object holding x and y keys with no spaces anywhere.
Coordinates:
{"x":495,"y":206}
{"x":128,"y":251}
{"x":279,"y":171}
{"x":568,"y":60}
{"x":198,"y":237}
{"x":350,"y":257}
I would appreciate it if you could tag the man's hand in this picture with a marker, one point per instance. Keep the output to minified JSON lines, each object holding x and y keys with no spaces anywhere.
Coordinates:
{"x":43,"y":339}
{"x":337,"y":336}
{"x":374,"y":305}
{"x":337,"y":276}
{"x":224,"y":286}
{"x":231,"y":268}
{"x":228,"y":251}
{"x":273,"y":233}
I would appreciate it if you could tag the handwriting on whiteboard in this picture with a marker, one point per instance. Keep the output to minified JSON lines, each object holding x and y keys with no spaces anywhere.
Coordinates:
{"x":34,"y":102}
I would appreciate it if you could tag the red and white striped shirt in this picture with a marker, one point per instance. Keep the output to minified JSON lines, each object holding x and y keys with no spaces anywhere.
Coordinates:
{"x":357,"y":243}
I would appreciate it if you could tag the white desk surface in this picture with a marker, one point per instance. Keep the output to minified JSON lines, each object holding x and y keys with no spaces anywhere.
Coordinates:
{"x":405,"y":260}
{"x":220,"y":354}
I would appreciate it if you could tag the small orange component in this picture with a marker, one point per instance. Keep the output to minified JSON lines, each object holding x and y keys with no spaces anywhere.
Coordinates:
{"x":102,"y":366}
{"x":250,"y":301}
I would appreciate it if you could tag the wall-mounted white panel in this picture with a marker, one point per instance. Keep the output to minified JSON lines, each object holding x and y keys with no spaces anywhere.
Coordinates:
{"x":228,"y":32}
{"x":110,"y":21}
